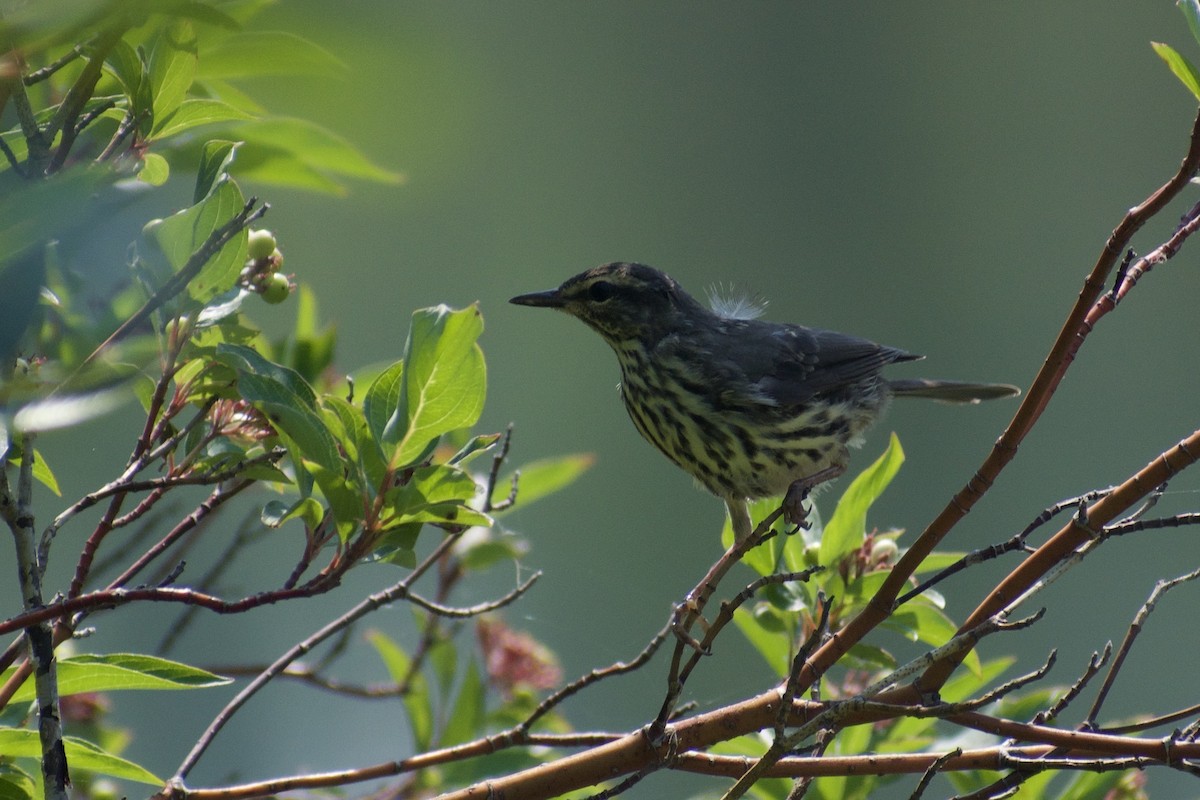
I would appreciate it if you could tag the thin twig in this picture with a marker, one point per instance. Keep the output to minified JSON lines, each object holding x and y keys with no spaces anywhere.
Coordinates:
{"x":990,"y":552}
{"x":62,"y":126}
{"x":18,"y":513}
{"x":1135,"y":628}
{"x":54,"y":66}
{"x":94,"y":114}
{"x":595,"y":676}
{"x":1097,"y":661}
{"x":493,"y":475}
{"x":177,"y":282}
{"x":398,"y":591}
{"x":692,"y":608}
{"x":11,"y":157}
{"x":933,"y":770}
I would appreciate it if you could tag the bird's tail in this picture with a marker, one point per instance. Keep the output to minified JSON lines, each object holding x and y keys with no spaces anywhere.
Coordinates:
{"x":951,"y":391}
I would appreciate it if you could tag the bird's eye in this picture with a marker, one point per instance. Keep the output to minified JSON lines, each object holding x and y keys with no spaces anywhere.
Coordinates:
{"x":600,"y":291}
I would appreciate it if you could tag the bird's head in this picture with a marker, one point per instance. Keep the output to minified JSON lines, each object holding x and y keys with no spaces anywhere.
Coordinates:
{"x":621,"y":302}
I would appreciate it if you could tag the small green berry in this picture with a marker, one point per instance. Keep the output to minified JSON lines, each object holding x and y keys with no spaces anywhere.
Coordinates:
{"x":260,"y":244}
{"x":276,"y":259}
{"x":148,"y":228}
{"x":276,"y":288}
{"x":883,"y":551}
{"x":177,"y":327}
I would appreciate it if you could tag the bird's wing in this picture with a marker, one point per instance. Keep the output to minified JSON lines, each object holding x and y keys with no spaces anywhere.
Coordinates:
{"x":792,"y":364}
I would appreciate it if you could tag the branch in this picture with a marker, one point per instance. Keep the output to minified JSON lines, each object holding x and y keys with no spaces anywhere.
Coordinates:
{"x":1062,"y":353}
{"x":398,"y":591}
{"x":63,"y":124}
{"x":176,"y":283}
{"x":1135,"y":628}
{"x":18,"y":513}
{"x":595,"y":676}
{"x":1080,"y":530}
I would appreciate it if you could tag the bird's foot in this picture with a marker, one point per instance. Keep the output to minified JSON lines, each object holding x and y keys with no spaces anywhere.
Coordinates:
{"x":794,"y":512}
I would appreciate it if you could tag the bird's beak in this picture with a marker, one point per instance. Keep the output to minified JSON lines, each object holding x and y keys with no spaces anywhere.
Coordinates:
{"x":549,"y":299}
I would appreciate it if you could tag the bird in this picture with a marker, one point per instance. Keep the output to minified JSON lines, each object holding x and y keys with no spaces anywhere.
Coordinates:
{"x":749,"y":408}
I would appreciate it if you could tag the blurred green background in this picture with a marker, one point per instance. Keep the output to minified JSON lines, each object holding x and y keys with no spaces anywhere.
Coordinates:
{"x":936,"y":176}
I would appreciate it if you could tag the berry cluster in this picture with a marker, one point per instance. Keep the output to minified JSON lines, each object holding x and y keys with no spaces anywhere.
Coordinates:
{"x":261,"y":273}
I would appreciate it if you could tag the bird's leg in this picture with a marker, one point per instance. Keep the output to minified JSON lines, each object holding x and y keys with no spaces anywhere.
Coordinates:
{"x":739,"y":515}
{"x":794,"y":511}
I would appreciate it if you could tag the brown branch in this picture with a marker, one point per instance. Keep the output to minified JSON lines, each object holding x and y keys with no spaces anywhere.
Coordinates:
{"x":1061,"y":355}
{"x":595,"y":676}
{"x":1135,"y":628}
{"x":1080,"y":530}
{"x":398,"y":591}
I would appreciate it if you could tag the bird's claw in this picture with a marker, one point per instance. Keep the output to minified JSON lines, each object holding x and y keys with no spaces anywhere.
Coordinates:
{"x":794,"y":510}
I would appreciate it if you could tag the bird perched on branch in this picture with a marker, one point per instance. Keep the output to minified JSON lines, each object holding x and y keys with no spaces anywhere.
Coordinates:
{"x":748,"y":408}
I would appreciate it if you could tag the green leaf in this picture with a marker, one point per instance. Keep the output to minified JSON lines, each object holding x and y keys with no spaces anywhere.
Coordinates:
{"x":869,"y":657}
{"x":919,"y":620}
{"x":41,"y":470}
{"x":204,"y":12}
{"x":31,"y":213}
{"x":544,"y":477}
{"x":396,"y":545}
{"x":417,"y":700}
{"x":443,"y":661}
{"x":182,"y":234}
{"x":772,"y":645}
{"x":291,"y":416}
{"x":443,"y":384}
{"x":352,"y":433}
{"x":1083,"y":786}
{"x":276,"y":512}
{"x":172,"y":67}
{"x":1179,"y":65}
{"x":751,"y":747}
{"x":228,"y":93}
{"x":764,"y":558}
{"x":295,"y":152}
{"x":845,"y":530}
{"x":196,"y":112}
{"x":83,"y":756}
{"x":155,"y":170}
{"x":16,"y":783}
{"x":258,"y":53}
{"x":382,"y":398}
{"x":249,"y":360}
{"x":312,"y":346}
{"x":222,"y":307}
{"x":132,"y":70}
{"x":436,"y":493}
{"x":1191,"y":13}
{"x":106,"y":673}
{"x":938,"y":561}
{"x":963,"y":685}
{"x":480,"y":554}
{"x":290,"y":403}
{"x":215,"y":159}
{"x":466,"y":721}
{"x":125,"y":64}
{"x":475,"y":446}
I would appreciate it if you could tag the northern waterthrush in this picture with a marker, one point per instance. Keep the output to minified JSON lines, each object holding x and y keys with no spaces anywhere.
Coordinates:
{"x":748,"y":408}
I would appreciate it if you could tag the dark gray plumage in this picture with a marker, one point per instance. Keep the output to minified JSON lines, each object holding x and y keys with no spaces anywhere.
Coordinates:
{"x":749,"y":408}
